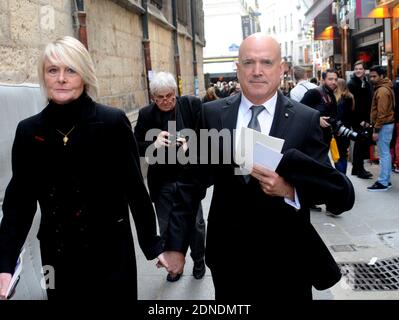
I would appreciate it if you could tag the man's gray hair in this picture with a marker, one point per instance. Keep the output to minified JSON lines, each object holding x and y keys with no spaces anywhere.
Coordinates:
{"x":162,"y":81}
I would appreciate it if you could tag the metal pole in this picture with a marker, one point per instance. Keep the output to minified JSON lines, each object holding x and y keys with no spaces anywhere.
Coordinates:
{"x":193,"y":28}
{"x":146,"y":46}
{"x":81,"y":19}
{"x":176,"y":45}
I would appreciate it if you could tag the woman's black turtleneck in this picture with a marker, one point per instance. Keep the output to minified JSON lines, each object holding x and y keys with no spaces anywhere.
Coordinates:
{"x":66,"y":163}
{"x":64,"y":116}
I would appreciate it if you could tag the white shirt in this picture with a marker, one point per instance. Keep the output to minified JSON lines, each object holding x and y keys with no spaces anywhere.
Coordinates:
{"x":300,"y":89}
{"x":265,"y":119}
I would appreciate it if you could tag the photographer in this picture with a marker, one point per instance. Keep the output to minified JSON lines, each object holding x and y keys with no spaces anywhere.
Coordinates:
{"x":322,"y":99}
{"x":165,"y":112}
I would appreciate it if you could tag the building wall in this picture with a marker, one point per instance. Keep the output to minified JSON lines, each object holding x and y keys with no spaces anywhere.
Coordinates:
{"x":114,"y":33}
{"x":115,"y":44}
{"x":162,"y":48}
{"x":25,"y":26}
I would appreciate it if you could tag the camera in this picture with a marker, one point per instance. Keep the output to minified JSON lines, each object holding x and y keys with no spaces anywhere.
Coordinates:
{"x":340,"y":130}
{"x":173,"y":138}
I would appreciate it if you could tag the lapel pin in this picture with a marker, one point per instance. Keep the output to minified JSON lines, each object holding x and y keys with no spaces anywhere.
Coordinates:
{"x":286,"y":115}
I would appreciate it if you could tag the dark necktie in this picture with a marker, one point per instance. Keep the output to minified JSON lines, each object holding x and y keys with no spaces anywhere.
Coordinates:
{"x":254,"y":123}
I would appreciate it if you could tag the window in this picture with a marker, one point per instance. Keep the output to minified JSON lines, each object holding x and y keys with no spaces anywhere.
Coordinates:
{"x":292,"y":48}
{"x":300,"y":58}
{"x":285,"y":23}
{"x":291,"y":24}
{"x":157,"y":3}
{"x":199,"y":15}
{"x":182,"y":11}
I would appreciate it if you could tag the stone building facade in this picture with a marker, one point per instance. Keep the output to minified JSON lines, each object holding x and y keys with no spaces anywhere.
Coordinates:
{"x":116,"y":31}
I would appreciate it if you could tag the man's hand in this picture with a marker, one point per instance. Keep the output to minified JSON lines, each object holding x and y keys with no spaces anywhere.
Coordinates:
{"x":323,"y":122}
{"x":375,"y":136}
{"x":173,"y":261}
{"x":183,"y":143}
{"x":272,"y":184}
{"x":5,"y":279}
{"x":162,"y":140}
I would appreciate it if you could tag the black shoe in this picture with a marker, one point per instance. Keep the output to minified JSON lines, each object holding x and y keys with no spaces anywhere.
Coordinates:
{"x":365,"y":175}
{"x":199,"y":269}
{"x":378,"y":187}
{"x":315,"y":208}
{"x":173,"y":279}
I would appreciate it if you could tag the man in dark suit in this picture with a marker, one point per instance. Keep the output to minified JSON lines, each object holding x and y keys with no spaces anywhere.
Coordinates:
{"x":168,"y":115}
{"x":265,"y":216}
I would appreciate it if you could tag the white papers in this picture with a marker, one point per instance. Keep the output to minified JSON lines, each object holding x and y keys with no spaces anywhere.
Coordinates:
{"x":254,"y":147}
{"x":266,"y":157}
{"x":15,"y":276}
{"x":266,"y":140}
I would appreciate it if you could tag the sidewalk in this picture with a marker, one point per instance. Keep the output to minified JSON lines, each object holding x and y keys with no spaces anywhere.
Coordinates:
{"x":370,"y":230}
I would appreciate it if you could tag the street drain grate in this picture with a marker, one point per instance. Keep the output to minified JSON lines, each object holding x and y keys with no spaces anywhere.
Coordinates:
{"x":383,"y":275}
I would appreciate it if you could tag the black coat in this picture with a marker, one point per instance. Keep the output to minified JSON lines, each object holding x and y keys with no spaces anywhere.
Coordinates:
{"x":363,"y":94}
{"x":84,"y":190}
{"x":245,"y":226}
{"x":187,"y":115}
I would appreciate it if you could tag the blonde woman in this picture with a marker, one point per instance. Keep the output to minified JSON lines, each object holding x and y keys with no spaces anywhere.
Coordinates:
{"x":79,"y":160}
{"x":345,"y":107}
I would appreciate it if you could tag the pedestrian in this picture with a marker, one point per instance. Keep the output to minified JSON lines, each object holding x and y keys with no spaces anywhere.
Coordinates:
{"x":267,"y":213}
{"x":210,"y":94}
{"x":170,"y":115}
{"x":383,"y":120}
{"x":362,"y":93}
{"x":302,"y":84}
{"x":345,"y":107}
{"x":78,"y":159}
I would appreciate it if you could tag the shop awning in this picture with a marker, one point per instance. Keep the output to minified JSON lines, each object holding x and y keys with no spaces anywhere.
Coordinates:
{"x":316,"y":9}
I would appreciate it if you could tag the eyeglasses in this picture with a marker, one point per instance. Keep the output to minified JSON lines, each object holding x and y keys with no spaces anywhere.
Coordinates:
{"x":168,"y":96}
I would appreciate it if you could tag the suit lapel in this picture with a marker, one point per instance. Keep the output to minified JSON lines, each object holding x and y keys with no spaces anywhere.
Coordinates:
{"x":229,"y":121}
{"x":283,"y":117}
{"x":230,"y":112}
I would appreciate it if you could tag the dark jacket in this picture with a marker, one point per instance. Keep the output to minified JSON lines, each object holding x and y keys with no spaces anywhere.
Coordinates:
{"x":363,"y":93}
{"x":244,"y":223}
{"x":187,"y":115}
{"x":85,"y":189}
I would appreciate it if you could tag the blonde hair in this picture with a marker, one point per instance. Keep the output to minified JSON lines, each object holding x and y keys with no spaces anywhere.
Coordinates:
{"x":72,"y":53}
{"x":342,"y":91}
